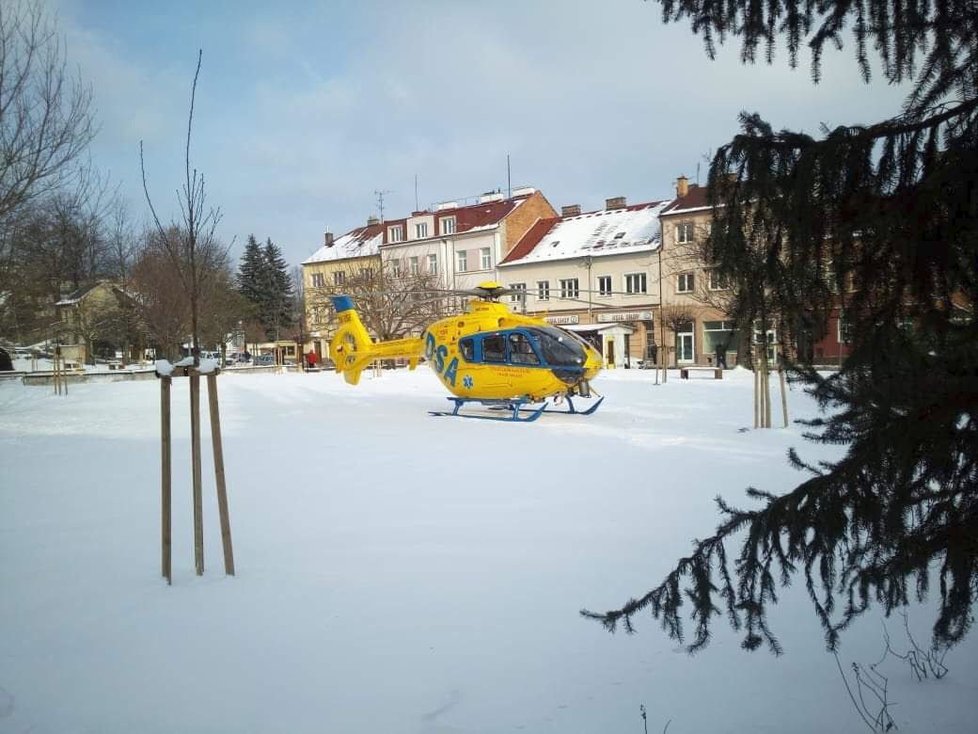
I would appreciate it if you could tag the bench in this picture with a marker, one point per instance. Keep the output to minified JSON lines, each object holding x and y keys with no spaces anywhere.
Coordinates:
{"x":717,"y":372}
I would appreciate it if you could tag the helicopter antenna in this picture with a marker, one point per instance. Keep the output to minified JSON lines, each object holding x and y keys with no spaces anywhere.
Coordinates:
{"x":380,"y":202}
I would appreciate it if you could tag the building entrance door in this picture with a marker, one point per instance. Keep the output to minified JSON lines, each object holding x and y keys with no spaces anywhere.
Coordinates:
{"x":685,"y":352}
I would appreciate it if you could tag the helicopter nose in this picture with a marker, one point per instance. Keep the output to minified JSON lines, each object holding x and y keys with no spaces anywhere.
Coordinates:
{"x":592,"y":364}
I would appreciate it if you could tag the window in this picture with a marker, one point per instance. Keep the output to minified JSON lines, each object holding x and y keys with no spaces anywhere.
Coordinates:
{"x":318,"y":280}
{"x":339,"y":277}
{"x":719,"y":335}
{"x":520,"y":292}
{"x":466,"y":348}
{"x":414,"y":266}
{"x":396,"y":268}
{"x":543,"y":290}
{"x":421,"y":230}
{"x":685,"y":284}
{"x":716,"y":281}
{"x":493,"y":348}
{"x":569,"y":288}
{"x":395,"y":233}
{"x":461,"y":261}
{"x":635,"y":283}
{"x":521,"y":350}
{"x":604,"y":285}
{"x":448,"y":225}
{"x":433,"y":264}
{"x":684,"y":232}
{"x":365,"y":273}
{"x":485,"y":258}
{"x":845,"y":330}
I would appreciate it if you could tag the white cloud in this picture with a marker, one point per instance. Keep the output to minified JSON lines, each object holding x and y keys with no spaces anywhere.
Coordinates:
{"x":307,"y":111}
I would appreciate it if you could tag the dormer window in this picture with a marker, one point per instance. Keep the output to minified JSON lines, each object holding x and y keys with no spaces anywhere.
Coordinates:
{"x":448,"y":225}
{"x":420,"y":230}
{"x":395,"y":233}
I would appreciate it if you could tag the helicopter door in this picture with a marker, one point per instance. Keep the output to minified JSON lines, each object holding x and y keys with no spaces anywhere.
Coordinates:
{"x":493,"y":348}
{"x":521,"y":350}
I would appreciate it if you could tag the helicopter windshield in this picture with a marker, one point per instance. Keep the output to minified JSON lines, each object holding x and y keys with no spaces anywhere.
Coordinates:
{"x":559,"y":348}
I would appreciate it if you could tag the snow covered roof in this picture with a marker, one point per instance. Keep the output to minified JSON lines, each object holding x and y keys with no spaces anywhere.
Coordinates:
{"x":360,"y":242}
{"x":606,"y":232}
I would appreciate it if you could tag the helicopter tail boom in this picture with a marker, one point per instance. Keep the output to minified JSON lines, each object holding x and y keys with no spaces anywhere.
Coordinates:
{"x":352,"y":348}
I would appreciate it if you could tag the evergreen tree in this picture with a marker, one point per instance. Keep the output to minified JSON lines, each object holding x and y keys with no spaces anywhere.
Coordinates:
{"x":263,"y":279}
{"x":281,"y":293}
{"x":249,"y":272}
{"x":881,"y":221}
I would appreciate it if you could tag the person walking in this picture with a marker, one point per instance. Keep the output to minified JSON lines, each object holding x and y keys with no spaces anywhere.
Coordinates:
{"x":721,"y":355}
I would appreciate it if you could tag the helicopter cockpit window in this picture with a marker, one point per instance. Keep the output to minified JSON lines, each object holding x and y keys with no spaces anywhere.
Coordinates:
{"x":559,"y":347}
{"x":493,"y":348}
{"x":521,"y":350}
{"x":466,"y":348}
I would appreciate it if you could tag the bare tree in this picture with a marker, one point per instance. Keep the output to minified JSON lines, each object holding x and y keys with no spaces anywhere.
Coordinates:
{"x":191,"y":246}
{"x":391,"y":306}
{"x":677,"y":317}
{"x":163,"y":310}
{"x":45,"y":114}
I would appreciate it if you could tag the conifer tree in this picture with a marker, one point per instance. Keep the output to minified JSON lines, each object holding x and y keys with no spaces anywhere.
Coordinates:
{"x":278,"y":316}
{"x":263,"y":279}
{"x":249,"y":272}
{"x":880,"y":221}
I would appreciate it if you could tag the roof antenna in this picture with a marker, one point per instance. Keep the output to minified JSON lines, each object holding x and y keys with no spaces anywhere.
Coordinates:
{"x":417,"y":207}
{"x":380,"y":202}
{"x":509,"y":180}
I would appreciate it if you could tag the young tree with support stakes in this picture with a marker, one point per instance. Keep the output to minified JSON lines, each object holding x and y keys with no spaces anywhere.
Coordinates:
{"x":882,"y":220}
{"x":190,"y":246}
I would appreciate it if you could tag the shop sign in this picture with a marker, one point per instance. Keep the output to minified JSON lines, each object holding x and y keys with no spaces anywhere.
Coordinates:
{"x":562,"y":320}
{"x":624,"y":316}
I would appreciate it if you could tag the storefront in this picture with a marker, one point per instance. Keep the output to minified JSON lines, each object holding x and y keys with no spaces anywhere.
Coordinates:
{"x":613,"y":340}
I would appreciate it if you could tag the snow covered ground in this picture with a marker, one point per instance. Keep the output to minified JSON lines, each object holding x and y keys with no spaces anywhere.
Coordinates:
{"x":399,"y":572}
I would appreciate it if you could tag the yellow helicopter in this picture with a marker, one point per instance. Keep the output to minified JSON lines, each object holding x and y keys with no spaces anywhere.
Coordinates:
{"x":486,"y":355}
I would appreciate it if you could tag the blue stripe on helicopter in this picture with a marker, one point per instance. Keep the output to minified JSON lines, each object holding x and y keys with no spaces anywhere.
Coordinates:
{"x":342,"y":303}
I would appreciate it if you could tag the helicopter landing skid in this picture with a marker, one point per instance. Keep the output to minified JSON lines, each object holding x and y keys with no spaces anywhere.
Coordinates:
{"x":519,"y":412}
{"x":513,"y":406}
{"x":571,"y":409}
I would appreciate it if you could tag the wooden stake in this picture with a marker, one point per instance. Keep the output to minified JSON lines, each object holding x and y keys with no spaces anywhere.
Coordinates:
{"x":195,"y":460}
{"x":784,"y":396}
{"x":166,"y":475}
{"x":767,"y":392}
{"x":757,"y":390}
{"x":222,"y":494}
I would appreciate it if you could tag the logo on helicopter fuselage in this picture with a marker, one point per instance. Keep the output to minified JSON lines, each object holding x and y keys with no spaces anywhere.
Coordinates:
{"x":436,"y":354}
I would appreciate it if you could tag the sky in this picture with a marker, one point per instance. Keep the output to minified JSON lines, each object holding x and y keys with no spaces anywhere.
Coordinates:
{"x":307,"y":114}
{"x":402,"y":573}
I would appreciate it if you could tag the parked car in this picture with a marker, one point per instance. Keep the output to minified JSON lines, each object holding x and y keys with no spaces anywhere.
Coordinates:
{"x":264,"y":360}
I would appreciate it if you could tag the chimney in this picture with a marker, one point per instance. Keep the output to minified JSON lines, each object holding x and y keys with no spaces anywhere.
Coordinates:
{"x":616,"y":202}
{"x":372,"y":220}
{"x":570,"y":210}
{"x":329,"y":239}
{"x":682,"y":187}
